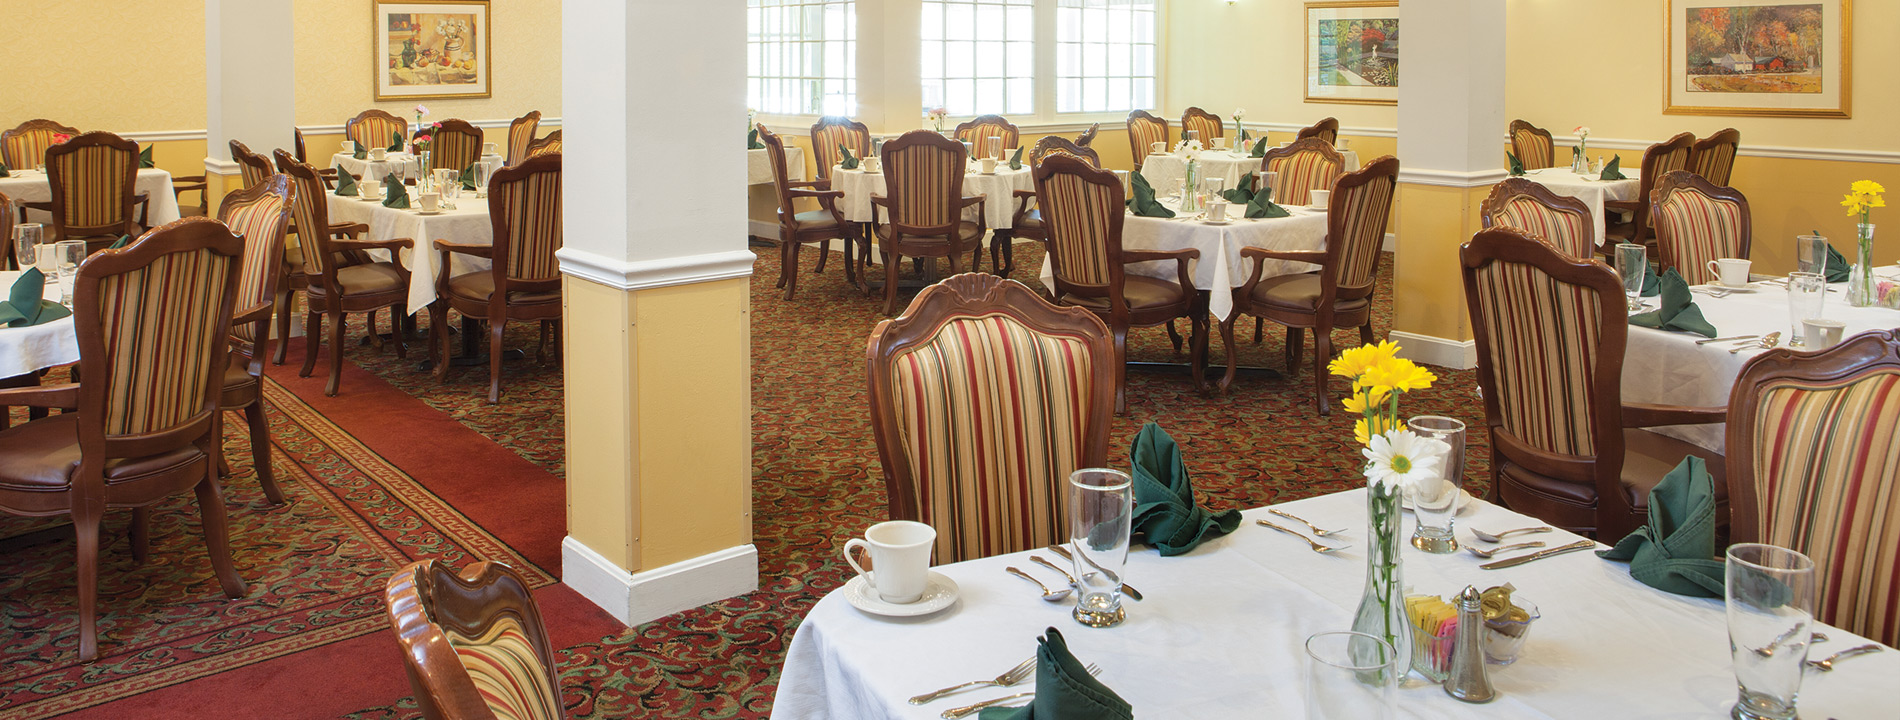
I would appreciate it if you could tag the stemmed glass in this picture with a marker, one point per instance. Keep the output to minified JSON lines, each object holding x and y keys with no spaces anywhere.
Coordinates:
{"x":1770,"y":594}
{"x":26,"y":244}
{"x":1101,"y":508}
{"x":1631,"y":262}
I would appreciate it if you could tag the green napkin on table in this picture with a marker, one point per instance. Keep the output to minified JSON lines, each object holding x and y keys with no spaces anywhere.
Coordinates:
{"x":1243,"y":135}
{"x":1016,"y":160}
{"x":145,"y":158}
{"x":1262,"y":206}
{"x":345,"y":183}
{"x":1517,"y":166}
{"x":467,"y":178}
{"x":1838,"y":269}
{"x":752,"y":140}
{"x":1143,"y":203}
{"x":1165,"y":514}
{"x":1064,"y":689}
{"x":850,"y":161}
{"x":394,"y":194}
{"x":1675,"y":552}
{"x":120,"y":243}
{"x":1242,"y":192}
{"x":23,"y":306}
{"x":3,"y":170}
{"x":395,"y":144}
{"x":1652,"y":283}
{"x":1678,"y":311}
{"x":1260,"y":148}
{"x":1614,"y":170}
{"x":362,"y":153}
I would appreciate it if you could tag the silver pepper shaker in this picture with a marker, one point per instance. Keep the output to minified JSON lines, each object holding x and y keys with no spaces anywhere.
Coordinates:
{"x":1468,"y":680}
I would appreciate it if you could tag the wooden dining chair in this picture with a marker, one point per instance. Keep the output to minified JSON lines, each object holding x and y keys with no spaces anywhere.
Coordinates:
{"x":253,"y":168}
{"x":1088,"y":136}
{"x":1144,"y":130}
{"x":1326,"y":129}
{"x":8,"y":260}
{"x":984,"y":398}
{"x":375,"y":128}
{"x":1713,"y":157}
{"x":1208,"y":124}
{"x":821,"y":226}
{"x":1028,"y":221}
{"x":549,"y":144}
{"x":1696,"y":222}
{"x":1339,"y":293}
{"x":24,"y":147}
{"x":151,"y":320}
{"x":1084,"y":207}
{"x":1565,"y":447}
{"x":923,"y":207}
{"x":1817,"y":448}
{"x":1659,"y":160}
{"x":303,"y":156}
{"x":455,"y":145}
{"x":260,"y":215}
{"x":1306,"y":165}
{"x":473,"y":643}
{"x":256,"y":169}
{"x":1532,"y":145}
{"x":830,"y":133}
{"x":94,"y":179}
{"x":1560,"y":220}
{"x":989,"y":126}
{"x":333,"y":289}
{"x":523,"y":280}
{"x":520,"y":133}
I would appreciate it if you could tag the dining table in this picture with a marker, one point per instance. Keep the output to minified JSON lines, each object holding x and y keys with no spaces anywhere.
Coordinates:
{"x":758,"y":165}
{"x":468,"y":222}
{"x":998,"y":188}
{"x":37,"y":347}
{"x":25,"y":186}
{"x":1220,"y":634}
{"x":1163,"y":170}
{"x":401,"y":163}
{"x":1591,"y":189}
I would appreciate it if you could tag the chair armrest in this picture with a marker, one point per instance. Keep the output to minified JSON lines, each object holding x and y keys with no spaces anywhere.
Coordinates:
{"x":817,"y":194}
{"x":478,"y":250}
{"x":1023,"y":198}
{"x":145,"y":209}
{"x":64,"y":397}
{"x":809,"y":183}
{"x":47,"y":206}
{"x":1180,"y":258}
{"x":1310,"y":256}
{"x":349,"y":230}
{"x":1640,"y":415}
{"x":260,"y":311}
{"x":976,"y":199}
{"x":390,"y":245}
{"x":880,"y":200}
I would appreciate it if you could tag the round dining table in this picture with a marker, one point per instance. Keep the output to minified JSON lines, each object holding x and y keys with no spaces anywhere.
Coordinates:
{"x":32,"y":349}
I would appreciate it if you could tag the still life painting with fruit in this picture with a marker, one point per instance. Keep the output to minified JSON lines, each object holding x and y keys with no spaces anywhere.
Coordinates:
{"x":435,"y":53}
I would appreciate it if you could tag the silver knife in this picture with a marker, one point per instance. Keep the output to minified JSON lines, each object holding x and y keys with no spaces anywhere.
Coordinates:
{"x":1539,"y":555}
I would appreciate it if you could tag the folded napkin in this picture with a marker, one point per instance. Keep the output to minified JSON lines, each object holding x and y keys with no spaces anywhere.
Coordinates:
{"x":395,"y":144}
{"x":362,"y":153}
{"x":123,"y":241}
{"x":397,"y":196}
{"x":1517,"y":166}
{"x":1838,"y":270}
{"x":1652,"y":283}
{"x":1165,"y":514}
{"x":1143,"y":203}
{"x":1614,"y":170}
{"x":1242,"y":192}
{"x":1016,"y":160}
{"x":467,"y":178}
{"x":850,"y":161}
{"x":1262,"y":206}
{"x":1260,"y":148}
{"x":3,"y":170}
{"x":145,"y":158}
{"x":1064,"y":689}
{"x":345,"y":183}
{"x":752,"y":140}
{"x":23,"y":306}
{"x":1678,"y":311}
{"x":1675,"y":552}
{"x":1242,"y":142}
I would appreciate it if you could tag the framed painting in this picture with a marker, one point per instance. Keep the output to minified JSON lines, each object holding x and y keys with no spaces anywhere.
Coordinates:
{"x":430,"y":49}
{"x":1788,"y":58}
{"x":1352,"y":52}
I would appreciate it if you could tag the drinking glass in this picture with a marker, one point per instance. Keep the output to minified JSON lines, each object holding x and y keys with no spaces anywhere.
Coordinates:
{"x":26,"y":244}
{"x":1770,"y":593}
{"x":1810,"y":252}
{"x":67,"y":254}
{"x":1806,"y":293}
{"x":1350,"y":675}
{"x":1631,"y":261}
{"x":1436,"y":504}
{"x":1193,"y":136}
{"x":1213,"y":187}
{"x":481,"y":180}
{"x":1101,"y":507}
{"x":1264,"y":180}
{"x":993,"y":147}
{"x":969,"y":150}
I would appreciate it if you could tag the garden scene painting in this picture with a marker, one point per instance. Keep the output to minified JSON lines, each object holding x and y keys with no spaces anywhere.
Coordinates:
{"x":1755,"y":49}
{"x":1358,"y":52}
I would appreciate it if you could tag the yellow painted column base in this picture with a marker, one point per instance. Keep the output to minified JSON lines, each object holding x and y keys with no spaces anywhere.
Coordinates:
{"x":1429,"y":319}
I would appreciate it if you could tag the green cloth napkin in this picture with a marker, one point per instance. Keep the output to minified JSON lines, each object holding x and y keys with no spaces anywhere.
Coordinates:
{"x":1143,"y":203}
{"x":1678,"y":311}
{"x":1165,"y":514}
{"x":1838,"y":269}
{"x":1614,"y":170}
{"x":1675,"y":552}
{"x":467,"y":178}
{"x":345,"y":183}
{"x":397,"y":196}
{"x":362,"y":153}
{"x":1242,"y":193}
{"x":1260,"y":148}
{"x":1016,"y":160}
{"x":752,"y":140}
{"x":1064,"y":689}
{"x":145,"y":158}
{"x":3,"y":170}
{"x":1652,"y":283}
{"x":1262,"y":205}
{"x":850,"y":161}
{"x":1517,"y":166}
{"x":395,"y":144}
{"x":24,"y":308}
{"x":120,"y":243}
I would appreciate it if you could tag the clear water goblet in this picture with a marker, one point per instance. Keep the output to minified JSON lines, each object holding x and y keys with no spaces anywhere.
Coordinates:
{"x":1770,"y":603}
{"x":1101,"y":510}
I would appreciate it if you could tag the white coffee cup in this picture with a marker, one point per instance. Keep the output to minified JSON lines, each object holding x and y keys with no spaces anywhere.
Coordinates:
{"x":900,"y":556}
{"x":1220,"y":143}
{"x":372,"y":189}
{"x":1321,"y":198}
{"x":1159,"y":148}
{"x":1217,"y":211}
{"x":489,"y":148}
{"x":870,"y":164}
{"x":349,"y":147}
{"x":430,"y":201}
{"x":1822,"y":333}
{"x":988,"y":164}
{"x":1731,"y":272}
{"x":378,"y":154}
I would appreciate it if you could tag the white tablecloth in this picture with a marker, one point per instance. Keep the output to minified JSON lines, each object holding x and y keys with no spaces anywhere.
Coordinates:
{"x":31,"y":186}
{"x":1589,"y":189}
{"x":1222,"y":630}
{"x":999,"y":210}
{"x":29,"y":349}
{"x":401,"y":163}
{"x":1669,"y":368}
{"x":1220,"y":268}
{"x":758,"y":165}
{"x":468,"y":223}
{"x":1163,"y":171}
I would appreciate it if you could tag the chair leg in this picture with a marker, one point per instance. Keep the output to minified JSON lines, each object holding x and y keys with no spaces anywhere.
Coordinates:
{"x":1227,"y":339}
{"x":312,"y":333}
{"x":141,"y":534}
{"x":1295,"y":347}
{"x":1121,"y":369}
{"x":260,"y":451}
{"x":541,"y":349}
{"x":86,"y":532}
{"x":890,"y":283}
{"x":956,"y":265}
{"x":217,"y":536}
{"x":1259,"y":326}
{"x":785,"y":266}
{"x":1365,"y":334}
{"x":789,"y":268}
{"x":495,"y":327}
{"x":1322,"y":352}
{"x":824,"y":251}
{"x":396,"y":318}
{"x":282,"y":320}
{"x":1174,"y":336}
{"x":336,"y":354}
{"x":375,"y":338}
{"x":439,"y":338}
{"x":1198,"y":353}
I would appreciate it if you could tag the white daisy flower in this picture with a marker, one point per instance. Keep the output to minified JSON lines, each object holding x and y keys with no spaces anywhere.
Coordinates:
{"x":1403,"y":459}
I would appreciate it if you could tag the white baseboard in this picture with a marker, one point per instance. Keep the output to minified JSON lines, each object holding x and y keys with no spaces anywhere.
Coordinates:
{"x":1391,"y":243}
{"x":1429,"y":350}
{"x":763,"y":229}
{"x":635,"y":598}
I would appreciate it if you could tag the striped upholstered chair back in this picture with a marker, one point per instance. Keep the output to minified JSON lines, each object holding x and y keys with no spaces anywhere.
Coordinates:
{"x":520,"y":133}
{"x":1326,"y":129}
{"x":1306,"y":165}
{"x":374,"y":128}
{"x":93,"y":178}
{"x":310,"y":210}
{"x":524,"y":203}
{"x":1818,"y":448}
{"x":1564,"y":222}
{"x":1207,"y":124}
{"x":1713,"y":157}
{"x":984,"y":398}
{"x":473,"y":643}
{"x":24,"y":147}
{"x":924,"y":181}
{"x":1356,"y":219}
{"x":1532,"y":145}
{"x":454,"y":145}
{"x":260,"y":214}
{"x":832,"y":132}
{"x":1082,"y":210}
{"x":255,"y":167}
{"x":1056,"y":145}
{"x":978,"y":129}
{"x":1144,"y":131}
{"x":1697,"y":222}
{"x":549,"y":144}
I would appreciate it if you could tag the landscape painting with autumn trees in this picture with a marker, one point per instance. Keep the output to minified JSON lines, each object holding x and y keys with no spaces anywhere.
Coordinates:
{"x":1755,"y":49}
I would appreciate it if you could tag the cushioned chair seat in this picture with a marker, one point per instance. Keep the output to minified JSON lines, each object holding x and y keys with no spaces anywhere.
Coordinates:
{"x":43,"y":454}
{"x":1298,"y":292}
{"x":365,"y":279}
{"x":239,"y":387}
{"x":815,"y":220}
{"x":1033,"y":218}
{"x":479,"y":286}
{"x":964,"y":230}
{"x":293,"y":260}
{"x":1647,"y":457}
{"x":1140,"y":292}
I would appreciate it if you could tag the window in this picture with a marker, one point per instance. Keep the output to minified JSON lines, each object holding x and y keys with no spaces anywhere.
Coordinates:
{"x":979,"y":56}
{"x":802,"y":56}
{"x":1105,"y":55}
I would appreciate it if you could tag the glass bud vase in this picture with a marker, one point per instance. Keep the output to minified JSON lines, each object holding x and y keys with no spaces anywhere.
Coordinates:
{"x":1382,"y":606}
{"x":1861,"y":290}
{"x":1190,"y":188}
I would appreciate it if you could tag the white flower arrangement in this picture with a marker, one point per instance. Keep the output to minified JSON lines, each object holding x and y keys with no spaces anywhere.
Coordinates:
{"x":1190,"y":149}
{"x":1403,"y":460}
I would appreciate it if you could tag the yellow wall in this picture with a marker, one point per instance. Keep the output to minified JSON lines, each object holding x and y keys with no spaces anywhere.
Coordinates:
{"x":1249,"y":55}
{"x":106,"y":64}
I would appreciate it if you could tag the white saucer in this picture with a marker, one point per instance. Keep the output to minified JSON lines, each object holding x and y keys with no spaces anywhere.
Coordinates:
{"x":1316,"y":208}
{"x":1464,"y":501}
{"x":429,"y":212}
{"x":939,"y":592}
{"x":1217,"y":223}
{"x":1730,"y":288}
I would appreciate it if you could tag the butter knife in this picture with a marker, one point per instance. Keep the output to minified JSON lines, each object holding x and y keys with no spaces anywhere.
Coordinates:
{"x":1064,"y":552}
{"x":1539,"y":555}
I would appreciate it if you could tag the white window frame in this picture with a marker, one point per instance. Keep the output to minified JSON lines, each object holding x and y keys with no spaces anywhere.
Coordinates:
{"x":1045,"y":81}
{"x":846,"y":73}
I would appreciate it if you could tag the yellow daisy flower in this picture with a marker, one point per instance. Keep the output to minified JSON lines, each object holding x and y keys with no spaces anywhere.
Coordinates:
{"x":1867,"y":187}
{"x":1364,"y":428}
{"x":1353,"y":363}
{"x":1398,"y":374}
{"x":1357,"y":403}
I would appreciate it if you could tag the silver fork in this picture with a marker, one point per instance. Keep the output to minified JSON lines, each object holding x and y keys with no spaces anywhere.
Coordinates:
{"x":1314,"y":528}
{"x":1318,"y":548}
{"x":968,"y":710}
{"x":1014,"y":675}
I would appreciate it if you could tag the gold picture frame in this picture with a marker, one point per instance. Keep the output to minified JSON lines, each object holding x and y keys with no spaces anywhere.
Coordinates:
{"x":1785,"y":77}
{"x":1369,"y":78}
{"x":430,"y":49}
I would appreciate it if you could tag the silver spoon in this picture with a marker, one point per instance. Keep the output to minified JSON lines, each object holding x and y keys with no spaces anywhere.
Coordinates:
{"x":1826,"y":664}
{"x":1504,"y":548}
{"x":1499,"y":537}
{"x":1047,"y":594}
{"x":1318,"y":548}
{"x":1767,"y":341}
{"x":1314,"y":528}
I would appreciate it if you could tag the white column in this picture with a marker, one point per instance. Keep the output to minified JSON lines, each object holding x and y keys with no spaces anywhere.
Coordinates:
{"x":250,"y":79}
